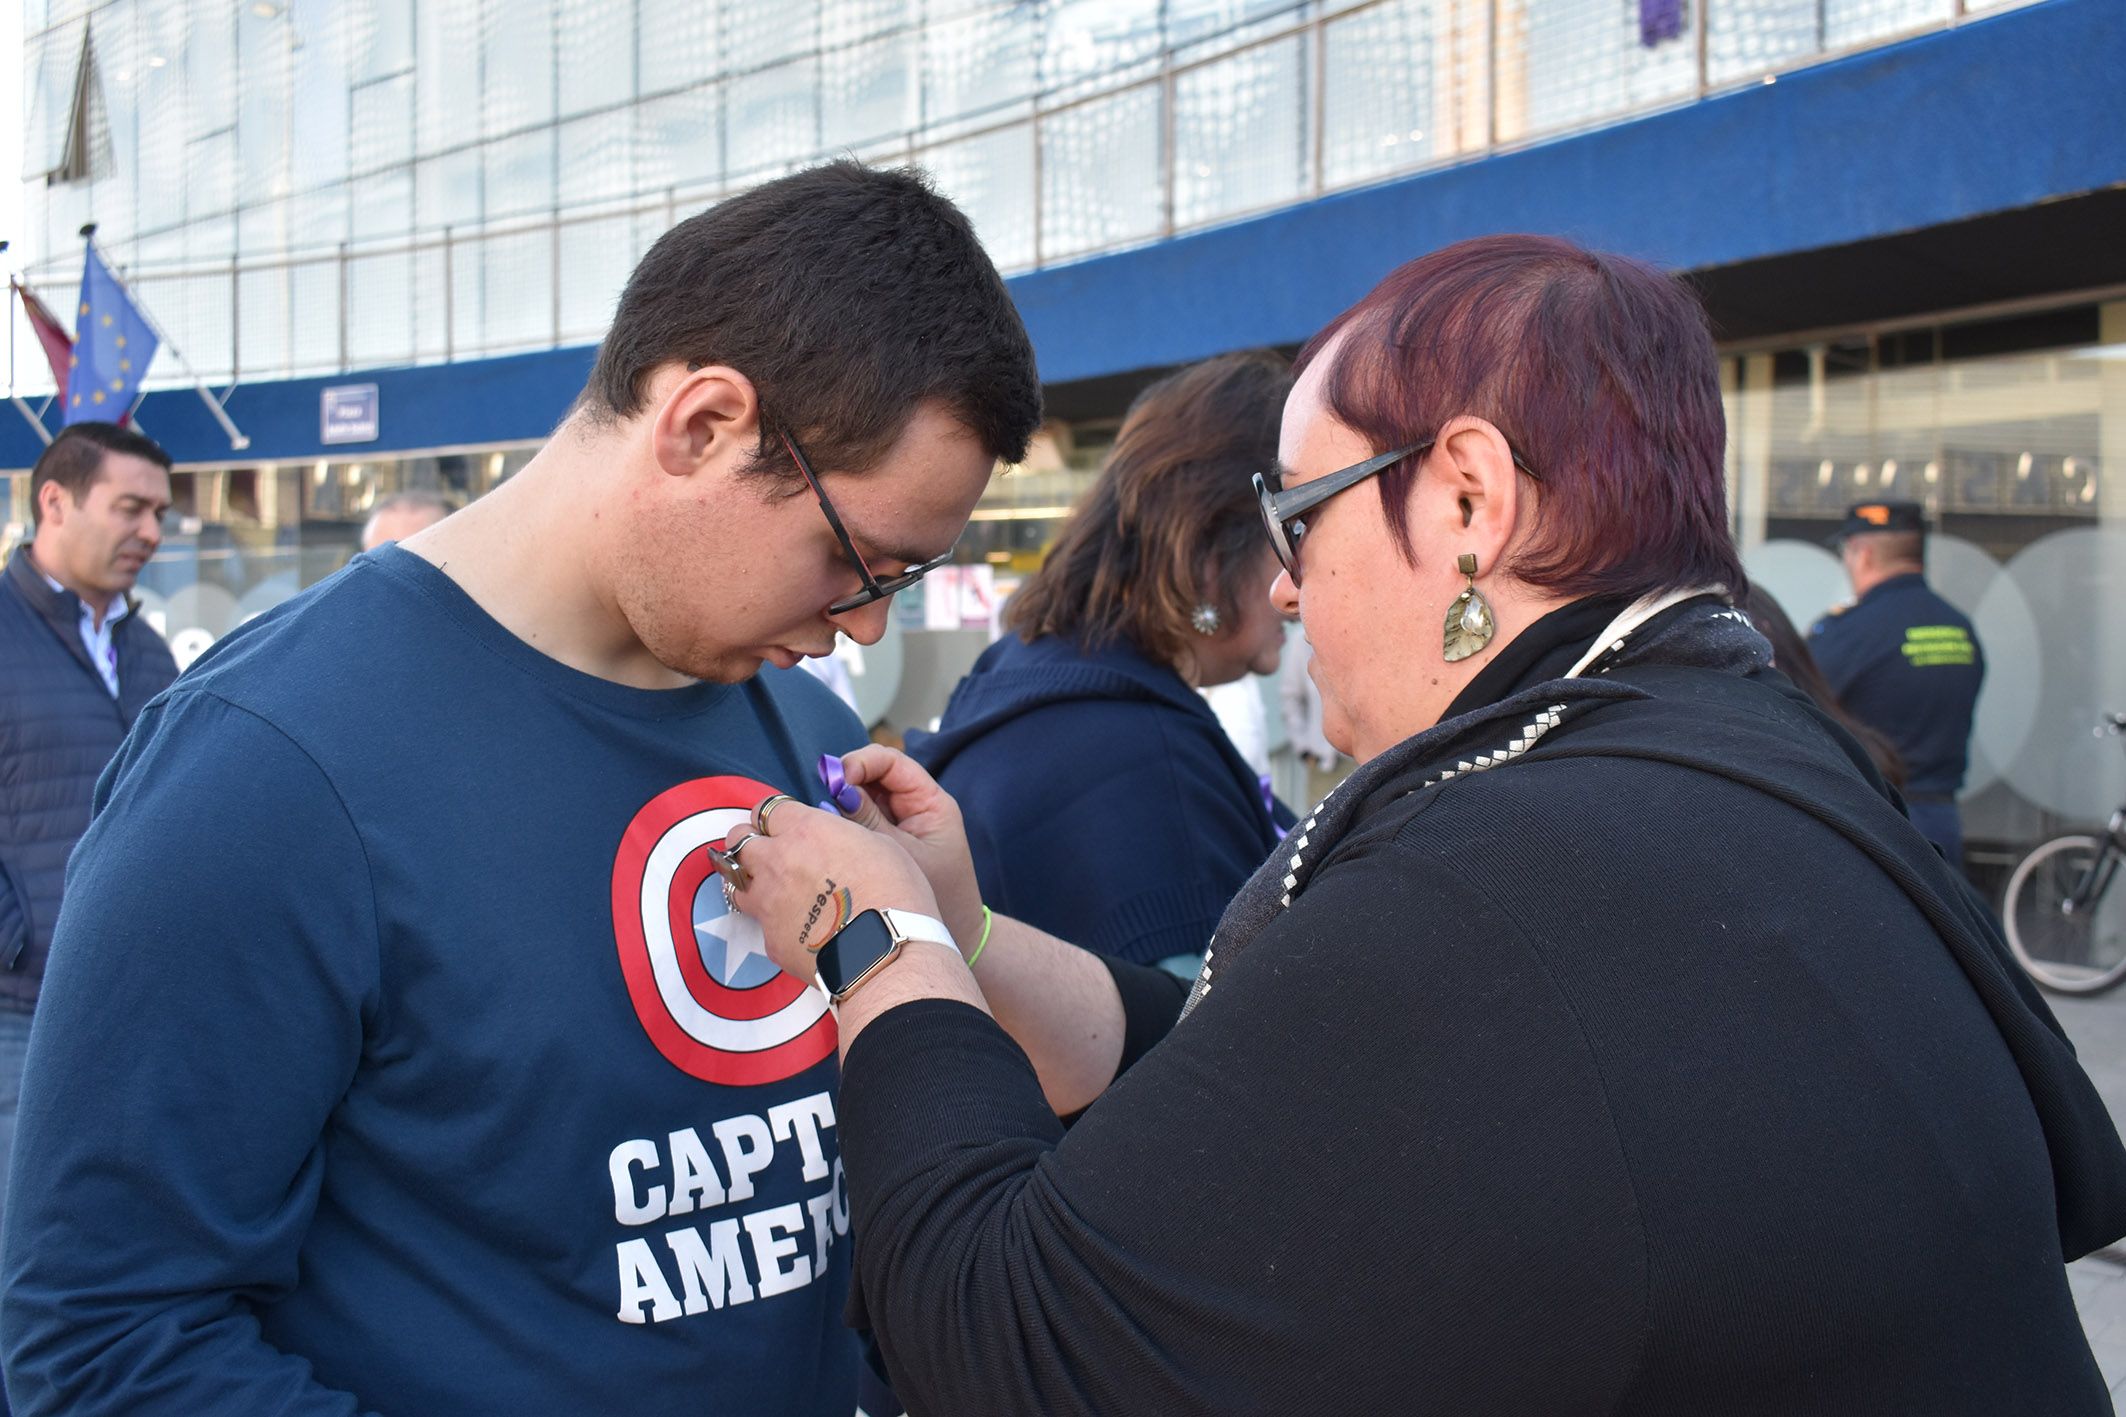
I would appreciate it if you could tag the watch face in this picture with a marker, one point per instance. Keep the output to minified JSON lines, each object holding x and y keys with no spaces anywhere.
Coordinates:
{"x":853,"y":949}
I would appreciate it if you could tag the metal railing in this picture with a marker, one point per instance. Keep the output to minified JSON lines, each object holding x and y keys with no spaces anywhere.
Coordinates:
{"x":1251,"y":119}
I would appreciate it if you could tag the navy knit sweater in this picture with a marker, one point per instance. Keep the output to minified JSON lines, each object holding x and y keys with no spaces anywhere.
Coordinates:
{"x":1104,"y":803}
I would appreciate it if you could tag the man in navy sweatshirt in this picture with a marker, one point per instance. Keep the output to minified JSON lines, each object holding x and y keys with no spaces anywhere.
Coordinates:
{"x":399,"y":1051}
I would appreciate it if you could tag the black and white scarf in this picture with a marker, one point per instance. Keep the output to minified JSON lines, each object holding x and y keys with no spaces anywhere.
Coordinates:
{"x":1691,"y":628}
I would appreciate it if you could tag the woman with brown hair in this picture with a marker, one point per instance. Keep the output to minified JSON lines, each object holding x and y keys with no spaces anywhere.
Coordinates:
{"x":1087,"y":716}
{"x":1791,"y":657}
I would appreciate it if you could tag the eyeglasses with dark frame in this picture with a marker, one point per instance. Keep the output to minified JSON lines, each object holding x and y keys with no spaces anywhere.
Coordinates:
{"x":1282,"y":511}
{"x":874,"y":588}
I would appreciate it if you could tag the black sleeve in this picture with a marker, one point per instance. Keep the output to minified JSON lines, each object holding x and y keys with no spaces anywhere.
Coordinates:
{"x":1151,"y":1003}
{"x":1374,"y":1171}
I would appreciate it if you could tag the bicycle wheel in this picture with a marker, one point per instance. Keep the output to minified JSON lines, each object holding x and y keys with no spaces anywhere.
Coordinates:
{"x":2074,"y":950}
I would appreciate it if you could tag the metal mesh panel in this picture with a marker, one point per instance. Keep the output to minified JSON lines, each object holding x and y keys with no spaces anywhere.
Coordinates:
{"x":263,"y":112}
{"x":991,"y":178}
{"x":428,"y":304}
{"x":319,"y":116}
{"x":262,"y":322}
{"x":1848,"y":23}
{"x":383,"y":205}
{"x":754,"y":35}
{"x":1100,"y":173}
{"x":193,"y":312}
{"x":380,"y":37}
{"x":467,"y":283}
{"x":1240,"y":132}
{"x":519,"y":272}
{"x":594,"y":156}
{"x":595,"y":261}
{"x":447,"y":192}
{"x":772,"y":118}
{"x":1089,"y":45}
{"x":1377,"y":92}
{"x":379,"y":295}
{"x":158,"y":104}
{"x":595,"y":53}
{"x":676,"y":43}
{"x":209,"y":49}
{"x":263,"y":73}
{"x":679,"y":140}
{"x":847,"y":22}
{"x":868,"y":92}
{"x":1746,"y":37}
{"x":1567,"y":62}
{"x":978,"y":66}
{"x":314,"y":317}
{"x":317,"y":219}
{"x":519,"y":175}
{"x":448,"y":103}
{"x":383,"y":123}
{"x":516,"y":64}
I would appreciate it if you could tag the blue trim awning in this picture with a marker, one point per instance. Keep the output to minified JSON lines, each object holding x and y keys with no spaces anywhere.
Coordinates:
{"x":1996,"y":114}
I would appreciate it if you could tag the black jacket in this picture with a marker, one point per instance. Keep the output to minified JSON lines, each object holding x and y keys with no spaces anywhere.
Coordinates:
{"x":1620,"y":1050}
{"x":59,"y":726}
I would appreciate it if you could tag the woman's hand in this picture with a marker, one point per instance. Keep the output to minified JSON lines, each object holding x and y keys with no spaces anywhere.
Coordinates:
{"x":816,"y":873}
{"x":904,"y":803}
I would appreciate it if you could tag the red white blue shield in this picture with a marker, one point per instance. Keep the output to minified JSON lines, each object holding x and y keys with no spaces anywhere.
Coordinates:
{"x":697,"y":971}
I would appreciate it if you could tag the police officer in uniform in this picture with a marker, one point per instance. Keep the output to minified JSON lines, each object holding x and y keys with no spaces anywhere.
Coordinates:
{"x":1904,"y":661}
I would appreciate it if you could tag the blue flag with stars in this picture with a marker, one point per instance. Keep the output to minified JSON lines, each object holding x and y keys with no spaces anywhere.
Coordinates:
{"x":112,"y":347}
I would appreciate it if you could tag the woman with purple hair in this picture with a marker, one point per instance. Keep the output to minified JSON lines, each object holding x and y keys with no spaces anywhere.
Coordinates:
{"x":1607,"y":1043}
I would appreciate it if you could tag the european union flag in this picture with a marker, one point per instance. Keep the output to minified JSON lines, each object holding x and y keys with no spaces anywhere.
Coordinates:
{"x":112,"y":347}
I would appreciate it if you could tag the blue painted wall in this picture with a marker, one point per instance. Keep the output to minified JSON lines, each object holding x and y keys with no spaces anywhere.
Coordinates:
{"x":1999,"y":113}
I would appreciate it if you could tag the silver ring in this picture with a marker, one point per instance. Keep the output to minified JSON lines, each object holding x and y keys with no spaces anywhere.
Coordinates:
{"x":732,"y":848}
{"x":766,"y":806}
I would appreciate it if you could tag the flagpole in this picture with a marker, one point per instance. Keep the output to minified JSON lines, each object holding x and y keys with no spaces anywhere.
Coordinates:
{"x":237,"y":440}
{"x":29,"y":415}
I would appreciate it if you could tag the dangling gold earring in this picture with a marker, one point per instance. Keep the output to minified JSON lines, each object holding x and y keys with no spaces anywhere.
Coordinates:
{"x":1469,"y":623}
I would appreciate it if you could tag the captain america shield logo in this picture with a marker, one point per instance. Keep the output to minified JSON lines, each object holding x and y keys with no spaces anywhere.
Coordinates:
{"x":697,"y":971}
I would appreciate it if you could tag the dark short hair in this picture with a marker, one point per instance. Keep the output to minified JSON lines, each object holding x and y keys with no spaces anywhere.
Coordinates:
{"x":1896,"y":548}
{"x":74,"y":459}
{"x":1600,"y":371}
{"x":1792,"y":657}
{"x":1172,"y":521}
{"x":848,"y":295}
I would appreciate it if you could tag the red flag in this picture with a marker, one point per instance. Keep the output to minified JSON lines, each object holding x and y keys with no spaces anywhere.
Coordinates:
{"x":58,"y":345}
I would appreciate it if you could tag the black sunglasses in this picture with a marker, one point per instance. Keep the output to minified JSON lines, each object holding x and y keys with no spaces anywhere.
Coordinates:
{"x":874,"y":588}
{"x":1283,"y":512}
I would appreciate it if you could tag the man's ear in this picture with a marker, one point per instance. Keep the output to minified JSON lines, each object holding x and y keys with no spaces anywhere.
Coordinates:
{"x":701,"y":417}
{"x":53,"y":504}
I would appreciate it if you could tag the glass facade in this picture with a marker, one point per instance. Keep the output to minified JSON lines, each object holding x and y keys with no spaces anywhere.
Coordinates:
{"x":2012,"y":431}
{"x":303,"y":186}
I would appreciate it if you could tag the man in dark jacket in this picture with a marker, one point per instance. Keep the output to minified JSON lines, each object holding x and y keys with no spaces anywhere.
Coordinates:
{"x":1905,"y":662}
{"x":76,"y":666}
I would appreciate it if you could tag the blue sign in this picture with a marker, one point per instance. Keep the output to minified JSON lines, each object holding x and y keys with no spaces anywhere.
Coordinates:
{"x":348,"y":414}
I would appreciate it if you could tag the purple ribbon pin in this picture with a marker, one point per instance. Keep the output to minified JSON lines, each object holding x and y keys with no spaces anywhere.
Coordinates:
{"x":848,"y":798}
{"x":1269,"y":804}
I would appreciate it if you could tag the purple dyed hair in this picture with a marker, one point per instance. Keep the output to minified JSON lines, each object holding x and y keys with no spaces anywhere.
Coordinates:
{"x":1600,"y":371}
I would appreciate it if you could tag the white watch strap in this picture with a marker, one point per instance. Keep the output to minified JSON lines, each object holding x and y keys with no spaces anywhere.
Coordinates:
{"x":910,"y":925}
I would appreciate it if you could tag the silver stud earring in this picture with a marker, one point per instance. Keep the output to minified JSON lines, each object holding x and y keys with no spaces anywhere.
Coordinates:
{"x":1205,"y":618}
{"x":1470,"y":625}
